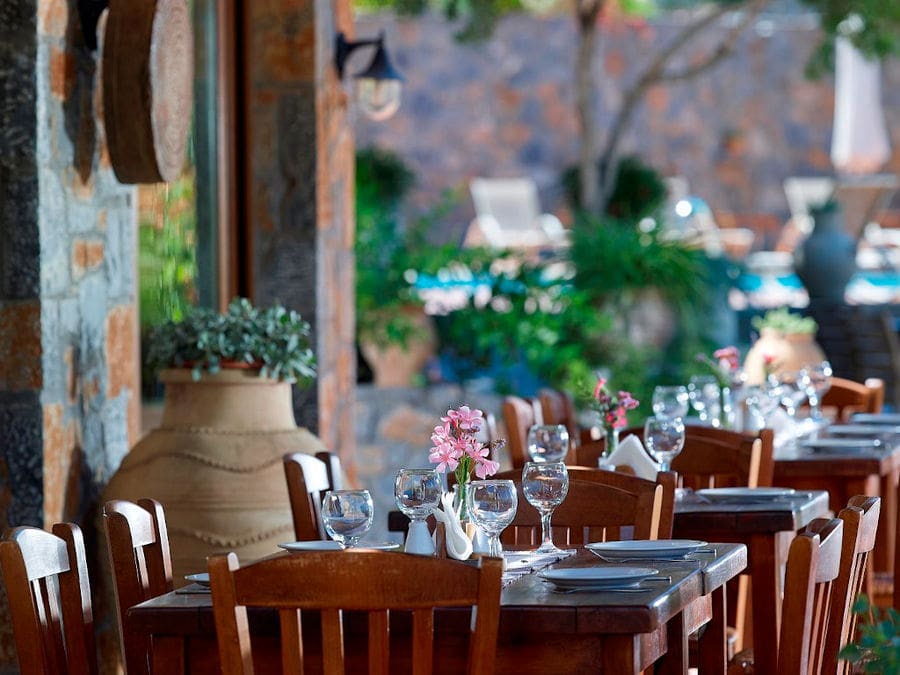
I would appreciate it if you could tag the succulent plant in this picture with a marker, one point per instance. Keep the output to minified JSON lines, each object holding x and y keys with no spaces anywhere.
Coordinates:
{"x":274,"y":340}
{"x":785,"y":322}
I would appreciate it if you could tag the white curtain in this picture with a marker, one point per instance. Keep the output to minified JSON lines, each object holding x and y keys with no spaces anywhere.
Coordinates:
{"x":860,"y":141}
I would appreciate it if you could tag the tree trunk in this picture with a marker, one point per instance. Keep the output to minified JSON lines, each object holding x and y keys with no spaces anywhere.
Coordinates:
{"x":588,"y":11}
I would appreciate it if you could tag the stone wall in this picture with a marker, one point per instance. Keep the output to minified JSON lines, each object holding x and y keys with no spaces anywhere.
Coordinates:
{"x":68,"y":388}
{"x":506,"y":107}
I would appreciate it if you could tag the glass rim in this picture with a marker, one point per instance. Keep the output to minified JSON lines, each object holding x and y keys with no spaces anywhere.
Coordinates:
{"x":347,"y":492}
{"x":559,"y":461}
{"x":556,"y":427}
{"x":492,"y":481}
{"x":418,"y":469}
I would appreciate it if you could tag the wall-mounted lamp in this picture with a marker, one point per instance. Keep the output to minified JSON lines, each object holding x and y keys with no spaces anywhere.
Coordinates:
{"x":377,"y":88}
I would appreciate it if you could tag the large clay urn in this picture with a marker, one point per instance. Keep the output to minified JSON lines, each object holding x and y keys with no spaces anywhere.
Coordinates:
{"x":788,"y":352}
{"x":215,"y":464}
{"x":826,"y":261}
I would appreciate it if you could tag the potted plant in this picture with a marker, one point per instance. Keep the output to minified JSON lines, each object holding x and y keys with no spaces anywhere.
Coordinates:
{"x":215,"y":460}
{"x":786,"y":343}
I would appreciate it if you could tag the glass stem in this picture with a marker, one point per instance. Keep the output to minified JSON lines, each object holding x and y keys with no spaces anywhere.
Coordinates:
{"x":546,"y":532}
{"x":494,"y":546}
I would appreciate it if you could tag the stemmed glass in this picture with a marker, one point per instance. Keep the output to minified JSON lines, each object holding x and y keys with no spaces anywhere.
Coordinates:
{"x":791,"y":390}
{"x":664,"y":439}
{"x":548,"y":442}
{"x":492,"y":507}
{"x":670,"y":401}
{"x":417,"y":493}
{"x":703,"y":392}
{"x":816,"y":381}
{"x":347,"y":515}
{"x":545,"y":485}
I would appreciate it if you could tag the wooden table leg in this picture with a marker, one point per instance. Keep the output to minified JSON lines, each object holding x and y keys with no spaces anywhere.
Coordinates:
{"x":621,"y":654}
{"x":675,"y":660}
{"x":167,"y":655}
{"x":712,"y":646}
{"x":764,"y":569}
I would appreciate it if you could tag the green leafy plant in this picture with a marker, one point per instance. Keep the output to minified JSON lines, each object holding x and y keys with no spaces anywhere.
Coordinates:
{"x":274,"y":339}
{"x":785,"y":322}
{"x":878,"y":648}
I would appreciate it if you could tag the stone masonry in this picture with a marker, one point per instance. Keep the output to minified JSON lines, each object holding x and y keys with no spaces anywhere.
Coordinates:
{"x":505,"y":107}
{"x":68,"y":380}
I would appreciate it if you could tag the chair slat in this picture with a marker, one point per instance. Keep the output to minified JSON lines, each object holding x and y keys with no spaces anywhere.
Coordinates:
{"x":423,"y":641}
{"x":291,"y":641}
{"x":379,"y":643}
{"x":332,"y":642}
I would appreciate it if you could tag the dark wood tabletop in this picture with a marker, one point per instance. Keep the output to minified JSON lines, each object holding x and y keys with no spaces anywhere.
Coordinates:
{"x":610,"y":630}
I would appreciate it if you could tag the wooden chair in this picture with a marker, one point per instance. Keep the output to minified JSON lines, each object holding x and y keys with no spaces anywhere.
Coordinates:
{"x":813,"y":564}
{"x":557,"y":407}
{"x":519,"y":415}
{"x":860,"y":519}
{"x":714,"y":457}
{"x":138,"y":544}
{"x":591,"y":511}
{"x":372,"y":581}
{"x":634,"y":485}
{"x":846,"y":397}
{"x":308,"y":479}
{"x":49,"y":600}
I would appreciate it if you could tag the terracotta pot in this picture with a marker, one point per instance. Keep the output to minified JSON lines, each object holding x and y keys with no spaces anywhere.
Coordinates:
{"x":396,"y":365}
{"x":790,"y":352}
{"x":215,"y":464}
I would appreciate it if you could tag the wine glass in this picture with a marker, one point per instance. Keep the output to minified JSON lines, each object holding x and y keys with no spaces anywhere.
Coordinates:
{"x":703,"y":392}
{"x":492,"y":507}
{"x":347,"y":515}
{"x":670,"y":401}
{"x":545,"y":485}
{"x":816,"y":383}
{"x":791,"y":390}
{"x":417,"y":493}
{"x":548,"y":442}
{"x":664,"y":439}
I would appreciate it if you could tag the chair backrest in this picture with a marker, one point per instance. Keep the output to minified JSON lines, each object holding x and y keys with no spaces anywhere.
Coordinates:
{"x":509,"y":213}
{"x":519,"y":414}
{"x":860,"y":519}
{"x":714,"y":457}
{"x":847,"y":396}
{"x":557,"y":407}
{"x":49,"y":596}
{"x":628,"y":482}
{"x":591,"y":511}
{"x":308,"y":479}
{"x":138,"y":545}
{"x":372,"y":581}
{"x":813,"y":563}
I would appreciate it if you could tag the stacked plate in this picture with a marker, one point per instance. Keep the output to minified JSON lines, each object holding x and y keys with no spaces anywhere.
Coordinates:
{"x":842,"y":445}
{"x":328,"y":545}
{"x":743,"y":495}
{"x":599,"y":578}
{"x":645,"y":549}
{"x":888,"y":419}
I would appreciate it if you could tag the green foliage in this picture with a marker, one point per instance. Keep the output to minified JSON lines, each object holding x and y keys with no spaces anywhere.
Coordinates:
{"x":167,"y":260}
{"x":784,"y":321}
{"x":274,"y":339}
{"x":878,"y":649}
{"x":639,"y":190}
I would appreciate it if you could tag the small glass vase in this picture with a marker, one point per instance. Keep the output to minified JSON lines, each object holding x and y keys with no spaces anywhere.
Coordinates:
{"x":459,"y":503}
{"x":612,"y":439}
{"x":726,"y":412}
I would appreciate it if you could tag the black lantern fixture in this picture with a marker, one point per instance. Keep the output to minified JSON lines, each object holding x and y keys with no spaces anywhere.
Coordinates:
{"x":377,"y":88}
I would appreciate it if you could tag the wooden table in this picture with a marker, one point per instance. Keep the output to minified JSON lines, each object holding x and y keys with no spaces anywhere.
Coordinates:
{"x":872,"y":473}
{"x":762,"y":527}
{"x":541,"y":630}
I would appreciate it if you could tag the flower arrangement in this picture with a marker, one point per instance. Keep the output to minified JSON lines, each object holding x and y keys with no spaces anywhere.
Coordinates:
{"x":725,"y":366}
{"x":457,"y":448}
{"x":613,"y":411}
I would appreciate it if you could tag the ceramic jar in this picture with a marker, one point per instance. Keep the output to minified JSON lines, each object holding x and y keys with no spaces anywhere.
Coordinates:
{"x":788,"y":351}
{"x":215,"y":464}
{"x":826,"y":261}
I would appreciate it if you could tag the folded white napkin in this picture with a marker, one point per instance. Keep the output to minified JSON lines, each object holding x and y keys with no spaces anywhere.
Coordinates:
{"x":630,"y":451}
{"x":458,"y":544}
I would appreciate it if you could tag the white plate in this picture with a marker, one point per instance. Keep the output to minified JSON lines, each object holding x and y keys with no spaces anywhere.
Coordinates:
{"x":202,"y":578}
{"x":650,"y":549}
{"x":312,"y":545}
{"x":842,"y":444}
{"x":871,"y":430}
{"x":743,"y":494}
{"x":892,"y":419}
{"x":597,"y":577}
{"x":380,"y":545}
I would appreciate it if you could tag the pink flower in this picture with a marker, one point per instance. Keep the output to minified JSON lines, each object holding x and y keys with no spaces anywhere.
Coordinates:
{"x":445,"y":456}
{"x":465,"y":418}
{"x":599,"y":388}
{"x":485,"y":467}
{"x":729,"y":358}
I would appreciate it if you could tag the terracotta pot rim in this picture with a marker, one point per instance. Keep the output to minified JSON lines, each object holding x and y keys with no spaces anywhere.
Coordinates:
{"x":228,"y":375}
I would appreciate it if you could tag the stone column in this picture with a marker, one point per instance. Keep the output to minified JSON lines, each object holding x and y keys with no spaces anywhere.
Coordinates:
{"x":68,"y":350}
{"x":299,"y":193}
